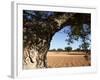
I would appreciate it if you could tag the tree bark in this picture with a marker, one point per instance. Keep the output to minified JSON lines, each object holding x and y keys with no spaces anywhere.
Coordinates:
{"x":34,"y":57}
{"x":37,"y":36}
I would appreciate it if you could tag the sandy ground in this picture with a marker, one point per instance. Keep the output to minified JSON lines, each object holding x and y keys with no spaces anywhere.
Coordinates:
{"x":64,"y":59}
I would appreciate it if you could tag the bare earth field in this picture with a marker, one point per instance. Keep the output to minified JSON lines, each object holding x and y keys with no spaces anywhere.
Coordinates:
{"x":65,"y":59}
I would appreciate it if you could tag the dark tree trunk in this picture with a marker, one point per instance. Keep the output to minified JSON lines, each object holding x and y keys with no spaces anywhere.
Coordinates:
{"x":37,"y":36}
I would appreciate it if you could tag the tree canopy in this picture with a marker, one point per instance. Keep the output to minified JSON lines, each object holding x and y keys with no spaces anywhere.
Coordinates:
{"x":41,"y":23}
{"x":68,"y":49}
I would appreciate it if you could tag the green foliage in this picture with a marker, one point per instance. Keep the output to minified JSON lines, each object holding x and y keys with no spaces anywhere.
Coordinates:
{"x":78,"y":49}
{"x":84,"y":46}
{"x":59,"y":49}
{"x":68,"y":49}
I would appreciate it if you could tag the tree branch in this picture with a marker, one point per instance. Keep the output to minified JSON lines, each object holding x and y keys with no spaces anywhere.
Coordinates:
{"x":59,"y":21}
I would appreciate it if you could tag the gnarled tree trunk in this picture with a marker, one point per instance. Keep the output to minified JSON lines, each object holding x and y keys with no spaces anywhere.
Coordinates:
{"x":35,"y":56}
{"x":35,"y":51}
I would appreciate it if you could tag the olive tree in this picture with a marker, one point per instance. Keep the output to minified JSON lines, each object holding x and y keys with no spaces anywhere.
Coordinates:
{"x":40,"y":26}
{"x":68,"y":49}
{"x":59,"y":49}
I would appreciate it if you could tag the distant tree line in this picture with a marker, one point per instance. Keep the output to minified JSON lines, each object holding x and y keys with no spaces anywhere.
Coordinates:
{"x":69,"y":49}
{"x":60,"y":49}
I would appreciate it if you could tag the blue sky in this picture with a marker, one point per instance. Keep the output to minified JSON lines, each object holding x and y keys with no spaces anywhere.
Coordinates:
{"x":58,"y":40}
